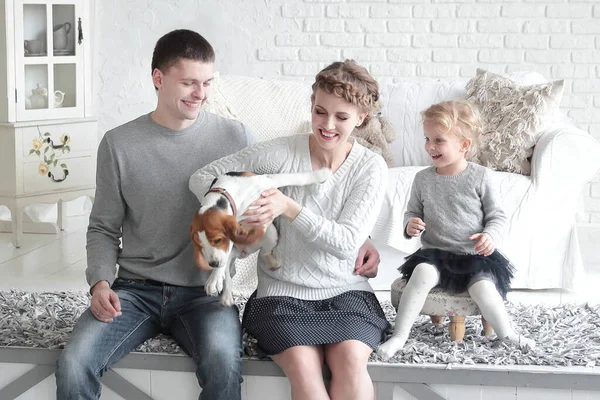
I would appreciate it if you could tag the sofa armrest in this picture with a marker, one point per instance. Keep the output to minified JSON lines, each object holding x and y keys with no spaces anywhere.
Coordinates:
{"x":564,"y":159}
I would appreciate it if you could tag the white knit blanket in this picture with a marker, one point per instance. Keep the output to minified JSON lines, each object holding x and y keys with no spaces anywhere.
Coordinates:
{"x":389,"y":227}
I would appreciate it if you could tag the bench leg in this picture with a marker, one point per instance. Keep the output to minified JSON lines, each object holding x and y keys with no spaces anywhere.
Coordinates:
{"x":60,"y":218}
{"x":487,"y":328}
{"x":437,"y":319}
{"x":457,"y":328}
{"x":16,"y":215}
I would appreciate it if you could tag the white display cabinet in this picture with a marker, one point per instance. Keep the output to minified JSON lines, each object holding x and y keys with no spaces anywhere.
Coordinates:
{"x":48,"y":135}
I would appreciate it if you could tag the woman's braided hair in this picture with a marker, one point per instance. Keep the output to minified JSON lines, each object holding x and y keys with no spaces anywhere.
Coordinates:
{"x":351,"y":82}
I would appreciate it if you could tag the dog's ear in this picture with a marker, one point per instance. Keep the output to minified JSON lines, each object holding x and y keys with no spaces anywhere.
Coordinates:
{"x":239,"y":235}
{"x":194,"y":236}
{"x":195,"y":227}
{"x":199,"y":258}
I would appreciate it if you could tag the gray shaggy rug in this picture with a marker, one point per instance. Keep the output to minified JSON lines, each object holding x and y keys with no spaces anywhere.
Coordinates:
{"x":567,"y":335}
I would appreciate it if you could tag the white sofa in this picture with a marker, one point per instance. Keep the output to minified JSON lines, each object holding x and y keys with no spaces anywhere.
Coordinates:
{"x":541,"y":238}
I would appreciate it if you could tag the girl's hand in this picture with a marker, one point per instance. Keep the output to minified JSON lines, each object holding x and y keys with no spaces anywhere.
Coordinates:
{"x":484,"y":245}
{"x":271,"y":204}
{"x":415,"y":227}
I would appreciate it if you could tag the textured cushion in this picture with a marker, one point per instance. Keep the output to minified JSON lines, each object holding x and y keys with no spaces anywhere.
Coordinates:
{"x":439,"y":302}
{"x":217,"y":103}
{"x":245,"y":278}
{"x":513,"y":115}
{"x":271,"y":108}
{"x":402,"y":104}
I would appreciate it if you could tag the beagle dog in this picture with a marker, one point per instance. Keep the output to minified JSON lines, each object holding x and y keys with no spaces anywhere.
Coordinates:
{"x":217,"y":231}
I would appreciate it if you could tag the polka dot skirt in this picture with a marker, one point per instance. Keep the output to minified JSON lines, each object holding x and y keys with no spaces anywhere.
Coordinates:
{"x":280,"y":322}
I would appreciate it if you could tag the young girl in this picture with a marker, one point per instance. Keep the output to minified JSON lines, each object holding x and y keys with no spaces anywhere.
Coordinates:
{"x":456,"y":210}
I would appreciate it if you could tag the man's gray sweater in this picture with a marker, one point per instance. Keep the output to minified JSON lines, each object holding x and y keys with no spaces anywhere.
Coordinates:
{"x":142,"y":197}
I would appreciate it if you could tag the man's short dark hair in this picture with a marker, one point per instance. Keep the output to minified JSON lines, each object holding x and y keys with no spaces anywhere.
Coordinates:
{"x":178,"y":44}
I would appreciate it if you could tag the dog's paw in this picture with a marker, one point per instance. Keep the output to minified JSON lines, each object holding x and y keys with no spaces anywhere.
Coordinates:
{"x":214,"y":285}
{"x":271,"y":262}
{"x":388,"y":349}
{"x":524,"y":343}
{"x":321,"y":175}
{"x":227,"y":299}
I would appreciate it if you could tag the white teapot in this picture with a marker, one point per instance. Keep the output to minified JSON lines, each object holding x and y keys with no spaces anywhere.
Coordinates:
{"x":39,"y":98}
{"x":59,"y":97}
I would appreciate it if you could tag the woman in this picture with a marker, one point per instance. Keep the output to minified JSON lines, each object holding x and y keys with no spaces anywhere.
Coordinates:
{"x":315,"y":309}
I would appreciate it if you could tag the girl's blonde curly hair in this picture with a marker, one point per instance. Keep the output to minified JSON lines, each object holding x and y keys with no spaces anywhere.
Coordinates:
{"x":352,"y":82}
{"x":459,"y":118}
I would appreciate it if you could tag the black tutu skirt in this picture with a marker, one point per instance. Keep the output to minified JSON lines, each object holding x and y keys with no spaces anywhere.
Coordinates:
{"x":457,"y":271}
{"x":281,"y":322}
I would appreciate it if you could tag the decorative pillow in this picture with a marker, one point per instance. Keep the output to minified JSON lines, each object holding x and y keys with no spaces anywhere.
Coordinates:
{"x":402,"y":103}
{"x":271,"y":108}
{"x":216,"y":102}
{"x":376,"y":135}
{"x":513,"y":116}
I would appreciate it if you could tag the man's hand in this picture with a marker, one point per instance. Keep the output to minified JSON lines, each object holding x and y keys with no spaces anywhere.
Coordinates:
{"x":105,"y":302}
{"x":484,"y":245}
{"x":367,"y":262}
{"x":415,"y":227}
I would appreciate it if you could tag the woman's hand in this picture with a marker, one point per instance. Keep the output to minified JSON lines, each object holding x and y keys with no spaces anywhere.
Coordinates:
{"x":105,"y":302}
{"x":271,"y":204}
{"x":484,"y":245}
{"x":415,"y":227}
{"x":367,"y":262}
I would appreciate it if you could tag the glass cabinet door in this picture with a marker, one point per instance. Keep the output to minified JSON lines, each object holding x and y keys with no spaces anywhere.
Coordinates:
{"x":49,"y":57}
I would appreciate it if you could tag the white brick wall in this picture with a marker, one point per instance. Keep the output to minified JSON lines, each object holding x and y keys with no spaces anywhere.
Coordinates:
{"x":422,"y":39}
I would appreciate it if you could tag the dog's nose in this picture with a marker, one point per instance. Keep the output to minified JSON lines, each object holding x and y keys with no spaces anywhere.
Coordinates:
{"x":213,"y":264}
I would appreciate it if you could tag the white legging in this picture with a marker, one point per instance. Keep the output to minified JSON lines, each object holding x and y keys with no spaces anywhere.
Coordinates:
{"x":424,"y":278}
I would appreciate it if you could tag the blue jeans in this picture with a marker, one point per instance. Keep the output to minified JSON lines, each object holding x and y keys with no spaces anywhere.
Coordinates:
{"x":205,"y":330}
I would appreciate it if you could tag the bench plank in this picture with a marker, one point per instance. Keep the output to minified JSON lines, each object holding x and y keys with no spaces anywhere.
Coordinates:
{"x":384,"y":391}
{"x":26,"y":381}
{"x":123,"y":387}
{"x":421,"y":391}
{"x":576,"y":378}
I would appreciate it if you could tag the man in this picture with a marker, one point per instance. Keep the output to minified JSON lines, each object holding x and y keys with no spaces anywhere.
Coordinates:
{"x":142,"y":198}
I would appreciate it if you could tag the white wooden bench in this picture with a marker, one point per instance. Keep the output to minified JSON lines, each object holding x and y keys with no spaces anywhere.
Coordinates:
{"x":27,"y":373}
{"x":392,"y":381}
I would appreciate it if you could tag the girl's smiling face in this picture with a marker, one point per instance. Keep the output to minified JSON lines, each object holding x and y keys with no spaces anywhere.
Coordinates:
{"x":447,"y":150}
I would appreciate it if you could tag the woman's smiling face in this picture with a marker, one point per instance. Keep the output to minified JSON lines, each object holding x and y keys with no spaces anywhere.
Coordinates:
{"x":333,"y":119}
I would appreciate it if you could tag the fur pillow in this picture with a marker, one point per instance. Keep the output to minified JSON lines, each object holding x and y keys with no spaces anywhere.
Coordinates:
{"x":513,"y":117}
{"x":376,"y":135}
